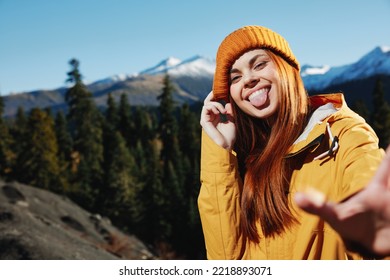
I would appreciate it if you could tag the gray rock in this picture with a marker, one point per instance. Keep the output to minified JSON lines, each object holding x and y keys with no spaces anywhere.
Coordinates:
{"x":39,"y":225}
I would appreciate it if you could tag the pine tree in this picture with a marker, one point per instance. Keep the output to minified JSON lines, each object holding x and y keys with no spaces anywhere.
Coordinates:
{"x":18,"y":131}
{"x":168,"y":123}
{"x":74,"y":75}
{"x":65,"y":145}
{"x":39,"y":162}
{"x":154,"y":227}
{"x":119,"y":195}
{"x":7,"y":156}
{"x":19,"y":128}
{"x":188,"y":137}
{"x":145,"y":123}
{"x":125,"y":123}
{"x":85,"y":124}
{"x":189,"y":140}
{"x":112,"y":112}
{"x":173,"y":173}
{"x":380,"y":118}
{"x":168,"y":131}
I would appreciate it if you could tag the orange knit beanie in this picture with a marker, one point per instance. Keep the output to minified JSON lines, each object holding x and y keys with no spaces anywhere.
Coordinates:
{"x":239,"y":42}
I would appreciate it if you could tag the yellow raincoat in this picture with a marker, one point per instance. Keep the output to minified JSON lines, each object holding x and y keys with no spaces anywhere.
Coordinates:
{"x":339,"y":155}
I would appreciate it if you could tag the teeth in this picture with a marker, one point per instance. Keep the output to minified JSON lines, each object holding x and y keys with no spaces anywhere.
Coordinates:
{"x":256,"y":93}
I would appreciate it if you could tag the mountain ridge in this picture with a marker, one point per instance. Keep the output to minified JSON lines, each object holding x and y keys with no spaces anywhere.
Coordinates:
{"x":192,"y":79}
{"x":376,"y":62}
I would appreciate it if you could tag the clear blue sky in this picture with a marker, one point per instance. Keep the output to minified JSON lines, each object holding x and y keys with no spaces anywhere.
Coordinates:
{"x":109,"y":37}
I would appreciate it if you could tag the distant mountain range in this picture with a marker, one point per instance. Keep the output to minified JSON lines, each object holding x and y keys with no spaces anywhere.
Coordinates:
{"x":193,"y":78}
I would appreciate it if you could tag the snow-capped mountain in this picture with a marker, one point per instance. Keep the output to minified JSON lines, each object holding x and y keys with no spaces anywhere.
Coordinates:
{"x":193,"y":78}
{"x":161,"y":67}
{"x":113,"y":79}
{"x":376,"y":62}
{"x":194,"y":66}
{"x":197,"y":66}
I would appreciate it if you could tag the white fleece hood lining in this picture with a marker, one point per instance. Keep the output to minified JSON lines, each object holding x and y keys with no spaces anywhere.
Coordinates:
{"x":318,"y":116}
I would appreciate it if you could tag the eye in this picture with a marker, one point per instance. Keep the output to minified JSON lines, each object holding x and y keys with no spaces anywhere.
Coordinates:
{"x":260,"y":65}
{"x":234,"y":78}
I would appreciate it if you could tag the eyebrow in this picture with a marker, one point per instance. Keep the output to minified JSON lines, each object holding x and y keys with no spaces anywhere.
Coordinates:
{"x":251,"y":61}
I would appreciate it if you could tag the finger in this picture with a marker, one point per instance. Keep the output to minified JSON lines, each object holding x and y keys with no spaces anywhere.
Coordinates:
{"x":310,"y":199}
{"x":314,"y":202}
{"x":210,"y":114}
{"x":209,"y":97}
{"x":229,"y":109}
{"x":216,"y":107}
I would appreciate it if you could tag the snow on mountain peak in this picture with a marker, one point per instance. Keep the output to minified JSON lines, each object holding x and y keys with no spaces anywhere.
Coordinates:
{"x":309,"y":70}
{"x":162,"y":66}
{"x":385,"y":49}
{"x":194,"y":66}
{"x":112,"y":79}
{"x":172,"y":61}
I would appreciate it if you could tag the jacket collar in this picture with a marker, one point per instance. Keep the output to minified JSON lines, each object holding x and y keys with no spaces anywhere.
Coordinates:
{"x":325,"y":106}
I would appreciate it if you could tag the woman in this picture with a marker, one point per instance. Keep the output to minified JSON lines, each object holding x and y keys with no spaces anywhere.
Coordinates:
{"x":263,"y":140}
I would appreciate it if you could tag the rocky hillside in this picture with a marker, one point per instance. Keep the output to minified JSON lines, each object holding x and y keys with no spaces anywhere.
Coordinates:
{"x":38,"y":225}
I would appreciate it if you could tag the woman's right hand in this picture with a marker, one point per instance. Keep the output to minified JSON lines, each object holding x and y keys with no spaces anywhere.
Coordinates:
{"x":217,"y":121}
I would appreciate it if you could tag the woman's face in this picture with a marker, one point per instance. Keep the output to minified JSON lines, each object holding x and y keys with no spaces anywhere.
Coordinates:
{"x":254,"y":83}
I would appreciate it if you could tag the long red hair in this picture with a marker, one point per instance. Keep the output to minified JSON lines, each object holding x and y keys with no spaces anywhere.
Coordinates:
{"x":262,"y":150}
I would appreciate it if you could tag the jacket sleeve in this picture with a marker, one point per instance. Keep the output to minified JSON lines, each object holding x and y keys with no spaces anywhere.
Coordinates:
{"x":219,"y":201}
{"x":358,"y":159}
{"x":359,"y":155}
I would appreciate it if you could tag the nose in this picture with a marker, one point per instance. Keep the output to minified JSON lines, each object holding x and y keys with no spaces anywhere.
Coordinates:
{"x":250,"y":80}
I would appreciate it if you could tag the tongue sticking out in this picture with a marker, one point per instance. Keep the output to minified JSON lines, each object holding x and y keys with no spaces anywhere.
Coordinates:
{"x":258,"y":99}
